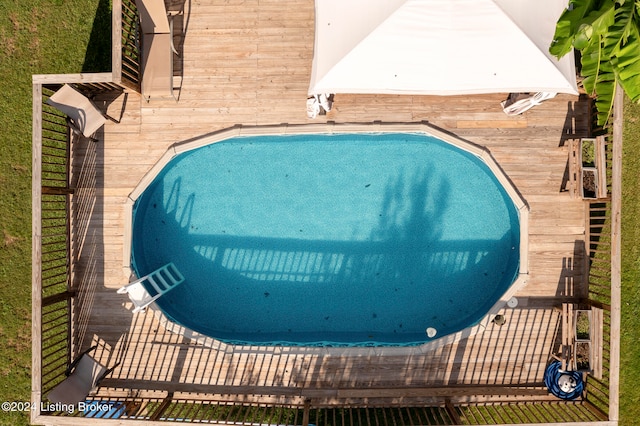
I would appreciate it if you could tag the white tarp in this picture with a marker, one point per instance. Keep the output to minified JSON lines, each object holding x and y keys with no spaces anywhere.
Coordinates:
{"x":438,"y":47}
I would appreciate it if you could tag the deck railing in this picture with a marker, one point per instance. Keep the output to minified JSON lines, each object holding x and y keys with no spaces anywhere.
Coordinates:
{"x":158,"y":411}
{"x":54,"y":195}
{"x":126,"y":44}
{"x":54,"y":296}
{"x":55,"y":269}
{"x":603,"y":265}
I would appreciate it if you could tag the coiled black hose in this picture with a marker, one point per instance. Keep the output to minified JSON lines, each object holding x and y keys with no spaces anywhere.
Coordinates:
{"x":552,"y":377}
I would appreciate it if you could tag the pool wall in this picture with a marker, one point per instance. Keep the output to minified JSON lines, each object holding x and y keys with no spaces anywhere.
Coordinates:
{"x":328,"y":129}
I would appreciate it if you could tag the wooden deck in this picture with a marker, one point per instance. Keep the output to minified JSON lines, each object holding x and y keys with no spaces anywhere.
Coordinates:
{"x":248,"y":63}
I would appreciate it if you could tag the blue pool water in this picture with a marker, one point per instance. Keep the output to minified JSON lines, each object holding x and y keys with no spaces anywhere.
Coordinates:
{"x":328,"y":239}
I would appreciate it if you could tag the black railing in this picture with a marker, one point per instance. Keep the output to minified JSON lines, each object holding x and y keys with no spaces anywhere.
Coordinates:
{"x":55,"y":195}
{"x":186,"y":410}
{"x":55,"y":261}
{"x":130,"y":63}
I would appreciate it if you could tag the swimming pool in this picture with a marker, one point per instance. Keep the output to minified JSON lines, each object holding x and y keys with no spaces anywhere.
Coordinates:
{"x":330,"y":240}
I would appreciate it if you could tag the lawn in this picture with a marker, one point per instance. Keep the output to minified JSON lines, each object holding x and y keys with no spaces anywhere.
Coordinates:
{"x":64,"y":36}
{"x":36,"y":37}
{"x":630,"y":326}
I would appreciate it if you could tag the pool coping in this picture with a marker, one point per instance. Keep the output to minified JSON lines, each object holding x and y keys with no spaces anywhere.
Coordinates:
{"x":332,"y":128}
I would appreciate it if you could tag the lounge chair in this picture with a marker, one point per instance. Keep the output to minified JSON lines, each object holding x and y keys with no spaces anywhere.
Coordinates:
{"x":83,"y":375}
{"x":83,"y":116}
{"x":161,"y":281}
{"x":518,"y":103}
{"x":157,"y":47}
{"x":157,"y":67}
{"x":153,"y":17}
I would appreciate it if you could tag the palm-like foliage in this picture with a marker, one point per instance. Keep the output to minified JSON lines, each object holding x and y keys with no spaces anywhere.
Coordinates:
{"x":607,"y":34}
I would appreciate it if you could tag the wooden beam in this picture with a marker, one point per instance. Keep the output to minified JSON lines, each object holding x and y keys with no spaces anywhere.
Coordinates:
{"x":451,"y":410}
{"x":209,"y":389}
{"x":102,"y":77}
{"x":36,"y":253}
{"x":116,"y":41}
{"x":595,"y":304}
{"x":161,"y":408}
{"x":574,"y":168}
{"x":616,"y":275}
{"x":594,"y":410}
{"x":601,"y":165}
{"x":568,"y":336}
{"x":305,"y":413}
{"x":534,"y":389}
{"x":444,"y":391}
{"x":596,"y":348}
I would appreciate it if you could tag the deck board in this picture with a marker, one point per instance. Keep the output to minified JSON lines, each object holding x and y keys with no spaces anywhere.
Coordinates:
{"x":249,"y":63}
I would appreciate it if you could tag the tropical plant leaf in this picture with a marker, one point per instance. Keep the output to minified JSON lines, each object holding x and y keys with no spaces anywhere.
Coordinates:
{"x":602,"y":18}
{"x":627,"y":67}
{"x":605,"y":93}
{"x":599,"y":77}
{"x":607,"y":34}
{"x":591,"y":65}
{"x":624,"y":41}
{"x":621,"y":28}
{"x":568,"y":25}
{"x":627,"y":16}
{"x":583,"y":36}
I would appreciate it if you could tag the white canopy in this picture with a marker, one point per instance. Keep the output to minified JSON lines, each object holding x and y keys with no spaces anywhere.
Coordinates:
{"x":438,"y":47}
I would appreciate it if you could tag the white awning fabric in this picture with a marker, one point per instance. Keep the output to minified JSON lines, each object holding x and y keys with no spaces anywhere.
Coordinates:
{"x":438,"y":47}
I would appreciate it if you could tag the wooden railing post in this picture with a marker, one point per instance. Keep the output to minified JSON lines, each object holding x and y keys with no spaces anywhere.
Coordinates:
{"x":305,"y":413}
{"x":451,"y":410}
{"x":162,"y":407}
{"x":116,"y":40}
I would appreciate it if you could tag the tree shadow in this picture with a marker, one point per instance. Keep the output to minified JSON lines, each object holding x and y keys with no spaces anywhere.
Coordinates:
{"x":410,"y":220}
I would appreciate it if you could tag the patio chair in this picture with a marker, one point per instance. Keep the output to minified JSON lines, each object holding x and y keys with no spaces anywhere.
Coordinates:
{"x":156,"y":27}
{"x":161,"y":281}
{"x":319,"y":104}
{"x":83,"y":375}
{"x":83,"y":116}
{"x":313,"y":107}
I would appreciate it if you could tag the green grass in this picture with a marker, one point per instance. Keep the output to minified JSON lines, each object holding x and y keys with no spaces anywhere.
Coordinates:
{"x":36,"y":37}
{"x":630,"y":326}
{"x":68,"y":36}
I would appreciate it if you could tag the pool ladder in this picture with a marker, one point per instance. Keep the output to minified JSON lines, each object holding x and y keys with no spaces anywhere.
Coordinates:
{"x":162,"y":280}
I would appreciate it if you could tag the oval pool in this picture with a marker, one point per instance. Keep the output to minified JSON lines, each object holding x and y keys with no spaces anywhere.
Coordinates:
{"x":350,"y":239}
